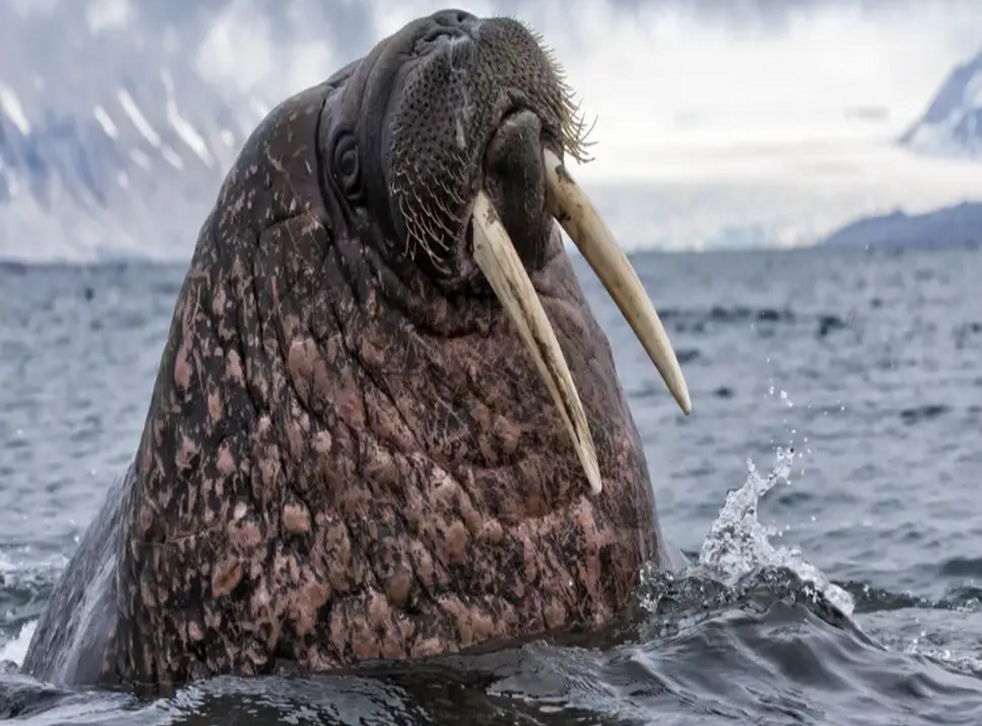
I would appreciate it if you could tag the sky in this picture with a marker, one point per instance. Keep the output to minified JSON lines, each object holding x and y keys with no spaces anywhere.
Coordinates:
{"x":771,"y":115}
{"x":674,"y":76}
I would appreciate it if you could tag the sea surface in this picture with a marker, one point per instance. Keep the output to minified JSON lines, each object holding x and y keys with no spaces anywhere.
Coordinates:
{"x":826,"y":488}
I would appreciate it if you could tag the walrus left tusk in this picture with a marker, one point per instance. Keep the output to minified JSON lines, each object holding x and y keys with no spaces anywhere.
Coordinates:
{"x":500,"y":263}
{"x":577,"y":215}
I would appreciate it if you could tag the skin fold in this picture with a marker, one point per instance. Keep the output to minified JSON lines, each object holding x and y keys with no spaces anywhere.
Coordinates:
{"x":349,"y":453}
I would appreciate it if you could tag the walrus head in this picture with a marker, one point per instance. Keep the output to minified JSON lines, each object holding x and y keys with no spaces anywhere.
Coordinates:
{"x":369,"y":432}
{"x":449,"y":142}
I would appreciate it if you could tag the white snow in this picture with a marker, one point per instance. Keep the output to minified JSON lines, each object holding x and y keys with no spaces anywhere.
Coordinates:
{"x":10,"y":105}
{"x":172,"y":158}
{"x":973,"y":91}
{"x":227,"y":137}
{"x":106,"y":122}
{"x":958,"y":134}
{"x":137,"y":117}
{"x":182,"y":127}
{"x":106,"y":14}
{"x":13,"y":185}
{"x":140,"y":159}
{"x":7,"y":175}
{"x":939,"y":139}
{"x":35,"y":7}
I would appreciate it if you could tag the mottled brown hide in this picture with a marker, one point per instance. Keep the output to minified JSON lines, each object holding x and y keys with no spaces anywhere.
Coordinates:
{"x":344,"y":461}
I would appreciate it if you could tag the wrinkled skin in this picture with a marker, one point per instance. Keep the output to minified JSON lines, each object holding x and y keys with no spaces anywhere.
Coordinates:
{"x":348,"y":453}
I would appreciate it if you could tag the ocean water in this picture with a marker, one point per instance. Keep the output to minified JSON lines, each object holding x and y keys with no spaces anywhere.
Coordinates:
{"x":826,"y":489}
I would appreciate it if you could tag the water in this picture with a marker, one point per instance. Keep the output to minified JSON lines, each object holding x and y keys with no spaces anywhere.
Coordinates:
{"x":824,"y":487}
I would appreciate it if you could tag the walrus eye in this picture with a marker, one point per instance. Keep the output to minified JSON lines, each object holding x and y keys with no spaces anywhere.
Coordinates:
{"x":347,"y":171}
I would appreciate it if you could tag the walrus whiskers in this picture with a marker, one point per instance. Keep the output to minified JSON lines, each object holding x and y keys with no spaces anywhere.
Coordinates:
{"x":571,"y":207}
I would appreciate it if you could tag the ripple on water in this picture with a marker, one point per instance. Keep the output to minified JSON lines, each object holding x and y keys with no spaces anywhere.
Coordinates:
{"x":925,"y":412}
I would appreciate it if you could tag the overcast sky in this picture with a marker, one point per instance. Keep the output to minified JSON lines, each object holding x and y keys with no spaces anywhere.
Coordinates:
{"x":671,"y":75}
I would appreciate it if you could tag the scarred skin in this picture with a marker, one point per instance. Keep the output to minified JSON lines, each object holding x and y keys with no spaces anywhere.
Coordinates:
{"x":349,"y":453}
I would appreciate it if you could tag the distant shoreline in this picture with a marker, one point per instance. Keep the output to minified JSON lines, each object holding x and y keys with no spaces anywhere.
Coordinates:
{"x":959,"y":225}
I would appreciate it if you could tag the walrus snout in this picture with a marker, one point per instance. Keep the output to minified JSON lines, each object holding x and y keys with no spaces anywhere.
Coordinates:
{"x":452,"y":20}
{"x":473,"y":139}
{"x":515,"y":179}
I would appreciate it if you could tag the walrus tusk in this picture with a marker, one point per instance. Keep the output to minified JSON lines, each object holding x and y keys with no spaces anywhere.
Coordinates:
{"x":568,"y":203}
{"x":500,"y":263}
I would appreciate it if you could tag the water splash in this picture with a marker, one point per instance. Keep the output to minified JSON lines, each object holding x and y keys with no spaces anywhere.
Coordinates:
{"x":24,"y":574}
{"x":738,"y":545}
{"x":14,"y":650}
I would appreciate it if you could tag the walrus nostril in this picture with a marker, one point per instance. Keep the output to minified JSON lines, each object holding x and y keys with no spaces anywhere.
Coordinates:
{"x":454,"y":18}
{"x":516,"y":181}
{"x":450,"y":24}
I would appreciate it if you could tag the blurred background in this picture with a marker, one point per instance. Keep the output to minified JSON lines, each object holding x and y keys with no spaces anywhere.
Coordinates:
{"x":720,"y":123}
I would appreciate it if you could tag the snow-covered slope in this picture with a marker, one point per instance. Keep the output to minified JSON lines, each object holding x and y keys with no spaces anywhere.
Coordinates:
{"x":119,"y":119}
{"x":952,"y":125}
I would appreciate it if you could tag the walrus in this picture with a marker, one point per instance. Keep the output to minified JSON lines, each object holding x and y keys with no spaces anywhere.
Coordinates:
{"x":385,"y":423}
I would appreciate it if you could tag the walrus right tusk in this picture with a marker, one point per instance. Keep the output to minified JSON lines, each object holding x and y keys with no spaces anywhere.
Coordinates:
{"x":573,"y":210}
{"x":500,"y":263}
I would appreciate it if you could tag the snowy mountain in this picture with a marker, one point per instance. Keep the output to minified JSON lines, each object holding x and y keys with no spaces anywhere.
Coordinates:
{"x":118,"y":119}
{"x":952,"y":128}
{"x":952,"y":125}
